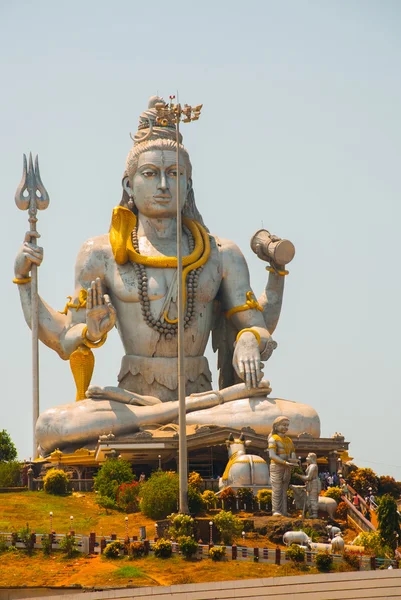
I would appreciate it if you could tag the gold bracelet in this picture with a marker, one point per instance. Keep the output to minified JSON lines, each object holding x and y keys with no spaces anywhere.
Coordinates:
{"x":22,"y":280}
{"x":255,"y":333}
{"x":250,"y":303}
{"x":90,"y":344}
{"x":282,"y":273}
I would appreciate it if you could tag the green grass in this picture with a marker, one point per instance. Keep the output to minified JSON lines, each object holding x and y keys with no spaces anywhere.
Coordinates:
{"x":128,"y":571}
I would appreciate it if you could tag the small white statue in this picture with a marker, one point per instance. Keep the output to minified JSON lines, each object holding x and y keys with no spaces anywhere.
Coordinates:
{"x":242,"y":469}
{"x":282,"y":460}
{"x":324,"y":504}
{"x":313,"y":486}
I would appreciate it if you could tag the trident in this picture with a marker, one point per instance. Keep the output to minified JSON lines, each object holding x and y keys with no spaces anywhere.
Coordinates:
{"x":31,"y":195}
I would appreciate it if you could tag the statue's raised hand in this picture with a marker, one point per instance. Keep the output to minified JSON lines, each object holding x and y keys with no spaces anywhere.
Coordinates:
{"x":246,"y":360}
{"x":100,"y":313}
{"x":29,"y":254}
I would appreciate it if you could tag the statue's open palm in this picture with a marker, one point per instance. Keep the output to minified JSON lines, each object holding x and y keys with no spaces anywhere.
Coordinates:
{"x":100,"y":313}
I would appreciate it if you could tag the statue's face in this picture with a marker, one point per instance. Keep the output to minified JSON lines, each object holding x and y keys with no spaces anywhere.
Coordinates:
{"x":283,"y":426}
{"x":155,"y":184}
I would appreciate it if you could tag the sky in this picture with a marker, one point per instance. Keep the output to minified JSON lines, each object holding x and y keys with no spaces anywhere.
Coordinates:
{"x":300,"y":134}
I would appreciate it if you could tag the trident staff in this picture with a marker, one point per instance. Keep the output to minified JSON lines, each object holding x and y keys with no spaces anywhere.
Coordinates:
{"x":31,"y":195}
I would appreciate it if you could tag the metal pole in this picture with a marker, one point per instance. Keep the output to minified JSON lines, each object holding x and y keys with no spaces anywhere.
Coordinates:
{"x":182,"y":428}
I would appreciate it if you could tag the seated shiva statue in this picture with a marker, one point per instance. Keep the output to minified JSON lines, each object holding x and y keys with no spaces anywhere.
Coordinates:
{"x":127,"y":279}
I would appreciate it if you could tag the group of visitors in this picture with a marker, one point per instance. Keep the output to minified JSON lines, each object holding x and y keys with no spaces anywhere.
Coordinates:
{"x":328,"y":479}
{"x":368,"y":506}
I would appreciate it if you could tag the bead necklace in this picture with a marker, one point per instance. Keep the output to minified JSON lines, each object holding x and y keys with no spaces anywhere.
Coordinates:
{"x":161,"y":325}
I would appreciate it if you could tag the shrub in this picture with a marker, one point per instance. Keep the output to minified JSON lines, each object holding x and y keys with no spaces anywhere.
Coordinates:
{"x":10,"y":473}
{"x":106,"y":503}
{"x":210,"y":499}
{"x":295,"y":553}
{"x":56,"y":482}
{"x":295,"y":476}
{"x":187,"y":545}
{"x":228,"y":496}
{"x":310,"y":532}
{"x":181,"y":525}
{"x":324,"y":562}
{"x":195,"y":480}
{"x":136,"y":549}
{"x":112,"y":550}
{"x":3,"y":544}
{"x":8,"y":450}
{"x":388,"y":485}
{"x":245,"y":496}
{"x":352,"y":560}
{"x":335,"y":493}
{"x":159,"y":494}
{"x":163,"y":548}
{"x":228,"y":525}
{"x":388,"y":521}
{"x":128,"y":497}
{"x":362,"y":479}
{"x":25,"y":535}
{"x":341,"y":511}
{"x":373,"y":542}
{"x":46,"y":544}
{"x":68,"y":545}
{"x":195,"y":501}
{"x":217,"y":553}
{"x":111,"y":475}
{"x":265,"y":499}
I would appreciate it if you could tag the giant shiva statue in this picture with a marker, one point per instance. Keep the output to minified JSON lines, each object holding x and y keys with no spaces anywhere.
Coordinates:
{"x":127,"y":279}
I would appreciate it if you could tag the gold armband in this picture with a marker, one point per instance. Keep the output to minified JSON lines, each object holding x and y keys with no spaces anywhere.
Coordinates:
{"x":22,"y":280}
{"x":250,"y":303}
{"x":277,"y":272}
{"x":89,"y":343}
{"x":255,"y":333}
{"x":82,"y":296}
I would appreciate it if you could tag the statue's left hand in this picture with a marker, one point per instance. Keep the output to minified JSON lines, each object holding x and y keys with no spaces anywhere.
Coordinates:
{"x":246,"y":360}
{"x":100,"y":313}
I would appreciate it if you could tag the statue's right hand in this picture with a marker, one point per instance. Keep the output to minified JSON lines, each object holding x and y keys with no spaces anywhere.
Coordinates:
{"x":100,"y":313}
{"x":28,"y":255}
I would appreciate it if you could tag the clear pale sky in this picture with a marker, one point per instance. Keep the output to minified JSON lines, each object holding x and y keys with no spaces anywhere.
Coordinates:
{"x":300,"y":133}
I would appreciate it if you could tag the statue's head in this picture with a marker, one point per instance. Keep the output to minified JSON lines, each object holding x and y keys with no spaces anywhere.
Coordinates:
{"x":151,"y":176}
{"x":311,"y":458}
{"x":281,"y":425}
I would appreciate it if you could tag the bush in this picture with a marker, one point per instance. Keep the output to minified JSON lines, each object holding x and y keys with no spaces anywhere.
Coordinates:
{"x":136,"y":549}
{"x":210,"y":499}
{"x":8,"y":451}
{"x":217,"y":553}
{"x":372,"y":541}
{"x":324,"y":562}
{"x":295,"y":553}
{"x":3,"y":544}
{"x":112,"y":550}
{"x":228,"y":496}
{"x":295,"y":476}
{"x":46,"y":541}
{"x":163,"y":548}
{"x":25,"y":535}
{"x":388,"y":485}
{"x":106,"y":503}
{"x":335,"y":493}
{"x":195,"y":501}
{"x":128,"y":497}
{"x":310,"y":532}
{"x":159,"y":495}
{"x":195,"y":480}
{"x":181,"y":525}
{"x":245,"y":496}
{"x":388,"y":521}
{"x":265,"y":499}
{"x":352,"y":560}
{"x":229,"y":526}
{"x":10,"y":473}
{"x":341,"y":511}
{"x":111,"y":475}
{"x":68,"y":545}
{"x":362,"y":479}
{"x":56,"y":482}
{"x":188,"y":546}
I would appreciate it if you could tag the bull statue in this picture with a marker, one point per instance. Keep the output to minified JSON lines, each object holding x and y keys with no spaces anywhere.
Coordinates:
{"x":325,"y":504}
{"x":332,"y":531}
{"x":337,"y":544}
{"x":242,"y":469}
{"x":296,"y":537}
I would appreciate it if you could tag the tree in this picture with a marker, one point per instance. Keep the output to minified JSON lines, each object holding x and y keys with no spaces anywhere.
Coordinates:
{"x":159,"y":494}
{"x":363,"y":479}
{"x":228,"y":525}
{"x":7,"y":449}
{"x":111,"y":475}
{"x":388,"y":485}
{"x":388,"y":521}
